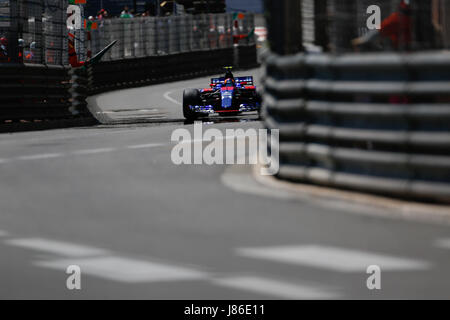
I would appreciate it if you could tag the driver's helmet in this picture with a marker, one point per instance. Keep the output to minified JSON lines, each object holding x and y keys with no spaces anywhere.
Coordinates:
{"x":229,"y":74}
{"x":229,"y":82}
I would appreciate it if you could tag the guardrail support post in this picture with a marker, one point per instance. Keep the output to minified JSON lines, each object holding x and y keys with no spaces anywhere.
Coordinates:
{"x":344,"y":24}
{"x":13,"y":34}
{"x":284,"y":19}
{"x":321,"y":24}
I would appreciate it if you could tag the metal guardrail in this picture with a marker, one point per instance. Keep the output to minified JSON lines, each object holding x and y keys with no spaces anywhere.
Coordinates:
{"x":121,"y":74}
{"x":37,"y":86}
{"x":37,"y":96}
{"x":371,"y":122}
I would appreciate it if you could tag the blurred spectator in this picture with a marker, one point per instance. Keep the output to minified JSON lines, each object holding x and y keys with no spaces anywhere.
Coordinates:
{"x":3,"y":49}
{"x":126,"y":14}
{"x":102,"y":14}
{"x":21,"y":49}
{"x":397,"y":29}
{"x":29,"y":55}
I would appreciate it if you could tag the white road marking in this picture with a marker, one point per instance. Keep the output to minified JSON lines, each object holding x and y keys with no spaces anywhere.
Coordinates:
{"x":168,"y":97}
{"x":61,"y":136}
{"x":330,"y":258}
{"x":146,"y":146}
{"x":126,"y":270}
{"x":41,"y":156}
{"x":443,"y":243}
{"x":219,"y":138}
{"x":94,"y":151}
{"x":273,"y":288}
{"x":104,"y":264}
{"x":129,"y":111}
{"x":81,"y":152}
{"x":56,"y":247}
{"x":148,"y":110}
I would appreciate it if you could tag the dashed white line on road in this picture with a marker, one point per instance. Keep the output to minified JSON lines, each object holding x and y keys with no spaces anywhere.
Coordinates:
{"x":443,"y":243}
{"x":41,"y":156}
{"x":168,"y":97}
{"x":94,"y":151}
{"x":146,"y":146}
{"x":331,"y":258}
{"x":56,"y":247}
{"x":103,"y":263}
{"x":274,"y":288}
{"x":80,"y":152}
{"x":126,"y":270}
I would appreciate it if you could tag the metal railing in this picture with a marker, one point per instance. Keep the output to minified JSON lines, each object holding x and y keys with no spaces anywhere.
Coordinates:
{"x":33,"y":31}
{"x":331,"y":25}
{"x":152,"y":36}
{"x":376,"y":122}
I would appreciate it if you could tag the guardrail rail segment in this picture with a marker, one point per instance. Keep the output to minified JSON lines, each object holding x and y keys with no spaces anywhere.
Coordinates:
{"x":372,"y":122}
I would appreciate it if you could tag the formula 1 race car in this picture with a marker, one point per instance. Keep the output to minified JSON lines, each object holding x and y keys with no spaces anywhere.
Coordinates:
{"x":227,"y":96}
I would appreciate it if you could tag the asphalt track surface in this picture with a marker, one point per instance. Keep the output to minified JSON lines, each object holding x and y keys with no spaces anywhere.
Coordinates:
{"x":110,"y":200}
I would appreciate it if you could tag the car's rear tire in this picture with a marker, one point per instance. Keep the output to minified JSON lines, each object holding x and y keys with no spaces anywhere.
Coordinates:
{"x":259,"y":99}
{"x":191,"y":97}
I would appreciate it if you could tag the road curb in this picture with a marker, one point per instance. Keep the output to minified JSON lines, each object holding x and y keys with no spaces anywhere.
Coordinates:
{"x":384,"y":206}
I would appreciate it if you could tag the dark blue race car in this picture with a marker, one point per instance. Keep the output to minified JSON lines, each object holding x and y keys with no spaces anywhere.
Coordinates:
{"x":227,"y":96}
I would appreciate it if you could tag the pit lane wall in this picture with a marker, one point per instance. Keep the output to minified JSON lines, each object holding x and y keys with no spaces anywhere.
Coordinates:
{"x":39,"y":90}
{"x":376,"y":122}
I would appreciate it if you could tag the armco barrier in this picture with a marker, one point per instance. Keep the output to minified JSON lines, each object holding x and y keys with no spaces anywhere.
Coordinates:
{"x":120,"y":74}
{"x":372,"y":122}
{"x":248,"y":57}
{"x":36,"y":96}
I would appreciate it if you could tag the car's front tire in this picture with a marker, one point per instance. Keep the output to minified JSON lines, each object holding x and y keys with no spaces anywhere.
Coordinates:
{"x":191,"y":97}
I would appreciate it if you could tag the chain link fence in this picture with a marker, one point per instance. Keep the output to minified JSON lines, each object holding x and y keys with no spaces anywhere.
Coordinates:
{"x":151,"y":36}
{"x":341,"y":25}
{"x":33,"y":31}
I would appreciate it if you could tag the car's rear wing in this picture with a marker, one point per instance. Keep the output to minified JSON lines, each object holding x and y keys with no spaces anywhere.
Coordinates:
{"x":241,"y":80}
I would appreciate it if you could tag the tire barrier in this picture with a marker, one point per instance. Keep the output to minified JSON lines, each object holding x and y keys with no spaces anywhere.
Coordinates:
{"x":378,"y":123}
{"x":34,"y":96}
